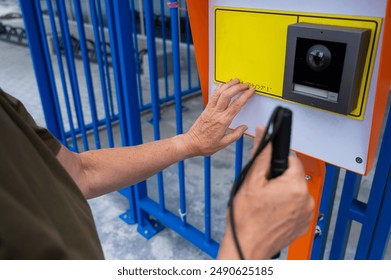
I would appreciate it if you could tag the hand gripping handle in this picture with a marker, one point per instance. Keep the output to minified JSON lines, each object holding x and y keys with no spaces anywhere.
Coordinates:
{"x":280,"y":148}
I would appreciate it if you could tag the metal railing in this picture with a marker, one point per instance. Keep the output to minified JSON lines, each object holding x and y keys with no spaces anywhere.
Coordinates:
{"x":77,"y":33}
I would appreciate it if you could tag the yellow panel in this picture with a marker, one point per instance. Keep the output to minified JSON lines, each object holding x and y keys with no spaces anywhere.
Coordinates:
{"x":251,"y":45}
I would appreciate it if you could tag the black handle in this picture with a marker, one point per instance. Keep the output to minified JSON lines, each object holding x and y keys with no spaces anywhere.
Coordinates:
{"x":281,"y":145}
{"x":280,"y":148}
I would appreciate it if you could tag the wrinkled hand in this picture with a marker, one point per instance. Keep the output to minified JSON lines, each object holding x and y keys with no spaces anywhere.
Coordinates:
{"x":269,"y":214}
{"x":209,"y":132}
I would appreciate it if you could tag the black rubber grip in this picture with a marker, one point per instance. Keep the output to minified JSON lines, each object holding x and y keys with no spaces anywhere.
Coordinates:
{"x":281,"y":145}
{"x":280,"y":149}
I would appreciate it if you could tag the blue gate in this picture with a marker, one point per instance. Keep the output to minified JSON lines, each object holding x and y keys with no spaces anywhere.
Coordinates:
{"x":101,"y":64}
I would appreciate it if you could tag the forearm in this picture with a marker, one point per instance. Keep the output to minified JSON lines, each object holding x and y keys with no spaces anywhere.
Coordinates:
{"x":102,"y":171}
{"x":98,"y":172}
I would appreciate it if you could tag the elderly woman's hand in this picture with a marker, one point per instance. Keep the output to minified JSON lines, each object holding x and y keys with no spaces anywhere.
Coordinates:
{"x":209,"y":133}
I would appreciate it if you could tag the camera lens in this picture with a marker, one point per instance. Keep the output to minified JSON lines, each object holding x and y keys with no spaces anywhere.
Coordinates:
{"x":318,"y":57}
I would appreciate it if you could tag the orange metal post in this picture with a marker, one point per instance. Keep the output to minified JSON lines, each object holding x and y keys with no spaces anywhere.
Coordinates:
{"x":382,"y":89}
{"x":315,"y":171}
{"x":199,"y":21}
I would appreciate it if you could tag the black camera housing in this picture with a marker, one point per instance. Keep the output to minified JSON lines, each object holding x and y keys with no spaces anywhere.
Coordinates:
{"x":324,"y":65}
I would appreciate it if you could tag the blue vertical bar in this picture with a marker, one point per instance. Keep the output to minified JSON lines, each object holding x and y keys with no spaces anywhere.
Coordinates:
{"x":164,"y":37}
{"x":117,"y":70}
{"x":138,"y":64}
{"x":207,"y":189}
{"x":128,"y":71}
{"x":42,"y":67}
{"x":178,"y":103}
{"x":372,"y":245}
{"x":123,"y":26}
{"x":187,"y":22}
{"x":71,"y":69}
{"x":105,"y":56}
{"x":325,"y":210}
{"x":48,"y":59}
{"x":87,"y":71}
{"x":341,"y":233}
{"x":382,"y":234}
{"x":239,"y":156}
{"x":151,"y":46}
{"x":62,"y":75}
{"x":115,"y":55}
{"x":99,"y":55}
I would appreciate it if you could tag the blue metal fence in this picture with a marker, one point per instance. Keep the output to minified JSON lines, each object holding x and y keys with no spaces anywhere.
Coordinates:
{"x":95,"y":57}
{"x":72,"y":41}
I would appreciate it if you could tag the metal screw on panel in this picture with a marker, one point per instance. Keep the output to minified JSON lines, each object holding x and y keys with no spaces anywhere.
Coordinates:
{"x":318,"y":231}
{"x":146,"y":232}
{"x":358,"y":160}
{"x":307,"y":177}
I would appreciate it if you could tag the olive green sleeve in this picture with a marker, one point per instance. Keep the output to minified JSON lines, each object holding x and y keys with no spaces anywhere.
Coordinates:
{"x":53,"y":144}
